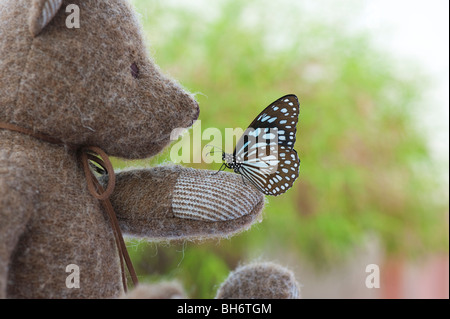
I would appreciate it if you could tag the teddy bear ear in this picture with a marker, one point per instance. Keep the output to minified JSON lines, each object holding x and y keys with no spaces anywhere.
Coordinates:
{"x":42,"y":12}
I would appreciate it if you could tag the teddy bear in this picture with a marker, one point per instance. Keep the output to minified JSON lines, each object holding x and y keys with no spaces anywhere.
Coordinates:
{"x":65,"y":87}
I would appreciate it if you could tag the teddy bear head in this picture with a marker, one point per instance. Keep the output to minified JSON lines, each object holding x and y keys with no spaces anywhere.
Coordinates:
{"x":87,"y":84}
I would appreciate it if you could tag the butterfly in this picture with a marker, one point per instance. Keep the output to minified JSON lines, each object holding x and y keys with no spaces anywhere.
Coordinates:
{"x":265,"y":153}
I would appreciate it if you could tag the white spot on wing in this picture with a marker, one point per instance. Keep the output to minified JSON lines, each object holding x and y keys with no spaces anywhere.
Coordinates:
{"x":269,"y":136}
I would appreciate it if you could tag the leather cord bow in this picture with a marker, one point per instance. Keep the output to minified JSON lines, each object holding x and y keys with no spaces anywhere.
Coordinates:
{"x":87,"y":154}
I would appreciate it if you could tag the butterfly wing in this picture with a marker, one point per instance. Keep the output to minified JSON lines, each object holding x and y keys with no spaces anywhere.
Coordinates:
{"x":282,"y":114}
{"x":272,"y":173}
{"x":277,"y":124}
{"x":265,"y":151}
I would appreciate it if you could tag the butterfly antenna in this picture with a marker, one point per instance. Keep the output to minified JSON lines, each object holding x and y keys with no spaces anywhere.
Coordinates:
{"x":212,"y":151}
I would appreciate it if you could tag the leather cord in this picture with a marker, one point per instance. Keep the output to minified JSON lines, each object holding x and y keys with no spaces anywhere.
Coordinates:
{"x":87,"y":154}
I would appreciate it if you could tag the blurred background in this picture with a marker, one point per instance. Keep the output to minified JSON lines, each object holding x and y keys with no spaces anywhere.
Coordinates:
{"x":372,"y":80}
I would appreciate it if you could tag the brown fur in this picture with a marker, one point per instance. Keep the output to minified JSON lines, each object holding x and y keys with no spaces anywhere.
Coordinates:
{"x":264,"y":280}
{"x":162,"y":290}
{"x":82,"y":78}
{"x":77,"y":86}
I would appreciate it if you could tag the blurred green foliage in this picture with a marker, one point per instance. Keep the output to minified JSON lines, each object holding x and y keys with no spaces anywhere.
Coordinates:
{"x":365,"y":166}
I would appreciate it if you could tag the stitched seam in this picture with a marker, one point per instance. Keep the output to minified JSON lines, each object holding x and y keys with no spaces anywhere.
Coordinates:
{"x":20,"y":84}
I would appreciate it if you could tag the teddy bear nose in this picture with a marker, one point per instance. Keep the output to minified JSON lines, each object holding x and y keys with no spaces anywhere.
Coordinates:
{"x":196,"y":111}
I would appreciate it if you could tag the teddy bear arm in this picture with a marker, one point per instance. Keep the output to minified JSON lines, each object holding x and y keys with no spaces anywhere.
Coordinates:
{"x":174,"y":202}
{"x":15,"y":211}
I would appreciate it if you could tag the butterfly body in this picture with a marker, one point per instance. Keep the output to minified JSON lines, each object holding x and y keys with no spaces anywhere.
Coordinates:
{"x":229,"y":161}
{"x":264,"y":154}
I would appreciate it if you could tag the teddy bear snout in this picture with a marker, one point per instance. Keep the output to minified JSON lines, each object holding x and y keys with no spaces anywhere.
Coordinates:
{"x":196,"y":112}
{"x":186,"y":111}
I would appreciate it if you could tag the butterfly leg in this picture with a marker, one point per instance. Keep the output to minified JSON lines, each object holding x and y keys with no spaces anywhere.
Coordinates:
{"x":220,"y":169}
{"x":243,"y":180}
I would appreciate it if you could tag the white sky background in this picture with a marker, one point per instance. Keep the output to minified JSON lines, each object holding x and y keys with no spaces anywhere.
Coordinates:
{"x":416,"y":32}
{"x":419,"y":31}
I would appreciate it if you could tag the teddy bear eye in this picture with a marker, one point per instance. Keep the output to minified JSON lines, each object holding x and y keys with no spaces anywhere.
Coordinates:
{"x":134,"y":70}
